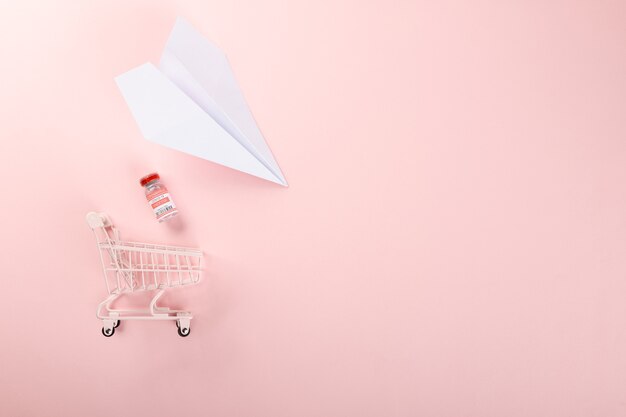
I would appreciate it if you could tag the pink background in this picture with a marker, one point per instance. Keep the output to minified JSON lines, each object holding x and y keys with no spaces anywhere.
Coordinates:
{"x":453,"y":242}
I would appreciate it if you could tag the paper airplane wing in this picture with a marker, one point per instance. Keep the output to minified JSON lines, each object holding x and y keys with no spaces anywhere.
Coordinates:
{"x":169,"y":117}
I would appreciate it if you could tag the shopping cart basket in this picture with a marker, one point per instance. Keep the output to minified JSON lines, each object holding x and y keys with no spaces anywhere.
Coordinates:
{"x":131,"y":267}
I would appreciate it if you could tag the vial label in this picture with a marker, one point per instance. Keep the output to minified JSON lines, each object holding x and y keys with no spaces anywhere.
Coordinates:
{"x":161,"y":203}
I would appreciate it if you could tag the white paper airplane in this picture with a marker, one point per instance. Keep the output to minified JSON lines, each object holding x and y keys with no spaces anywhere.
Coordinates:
{"x":192,"y":103}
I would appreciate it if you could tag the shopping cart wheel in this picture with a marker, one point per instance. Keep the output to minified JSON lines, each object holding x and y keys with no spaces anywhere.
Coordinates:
{"x":117,"y":324}
{"x":183,"y":331}
{"x":108,"y":332}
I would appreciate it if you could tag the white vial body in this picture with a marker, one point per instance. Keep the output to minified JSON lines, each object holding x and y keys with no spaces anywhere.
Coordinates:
{"x":160,"y":201}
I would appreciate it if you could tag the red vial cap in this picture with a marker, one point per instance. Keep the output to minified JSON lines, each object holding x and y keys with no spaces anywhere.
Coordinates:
{"x":150,"y":177}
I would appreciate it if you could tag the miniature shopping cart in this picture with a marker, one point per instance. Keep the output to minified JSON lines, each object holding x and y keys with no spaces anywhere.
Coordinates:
{"x":131,"y":267}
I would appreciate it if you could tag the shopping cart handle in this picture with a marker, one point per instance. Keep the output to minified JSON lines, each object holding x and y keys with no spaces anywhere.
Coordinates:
{"x":95,"y":220}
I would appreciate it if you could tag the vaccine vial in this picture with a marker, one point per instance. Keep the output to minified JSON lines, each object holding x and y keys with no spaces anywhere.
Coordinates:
{"x":158,"y":197}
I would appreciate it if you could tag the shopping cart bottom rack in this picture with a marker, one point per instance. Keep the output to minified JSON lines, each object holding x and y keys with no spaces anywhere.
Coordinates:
{"x":131,"y":267}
